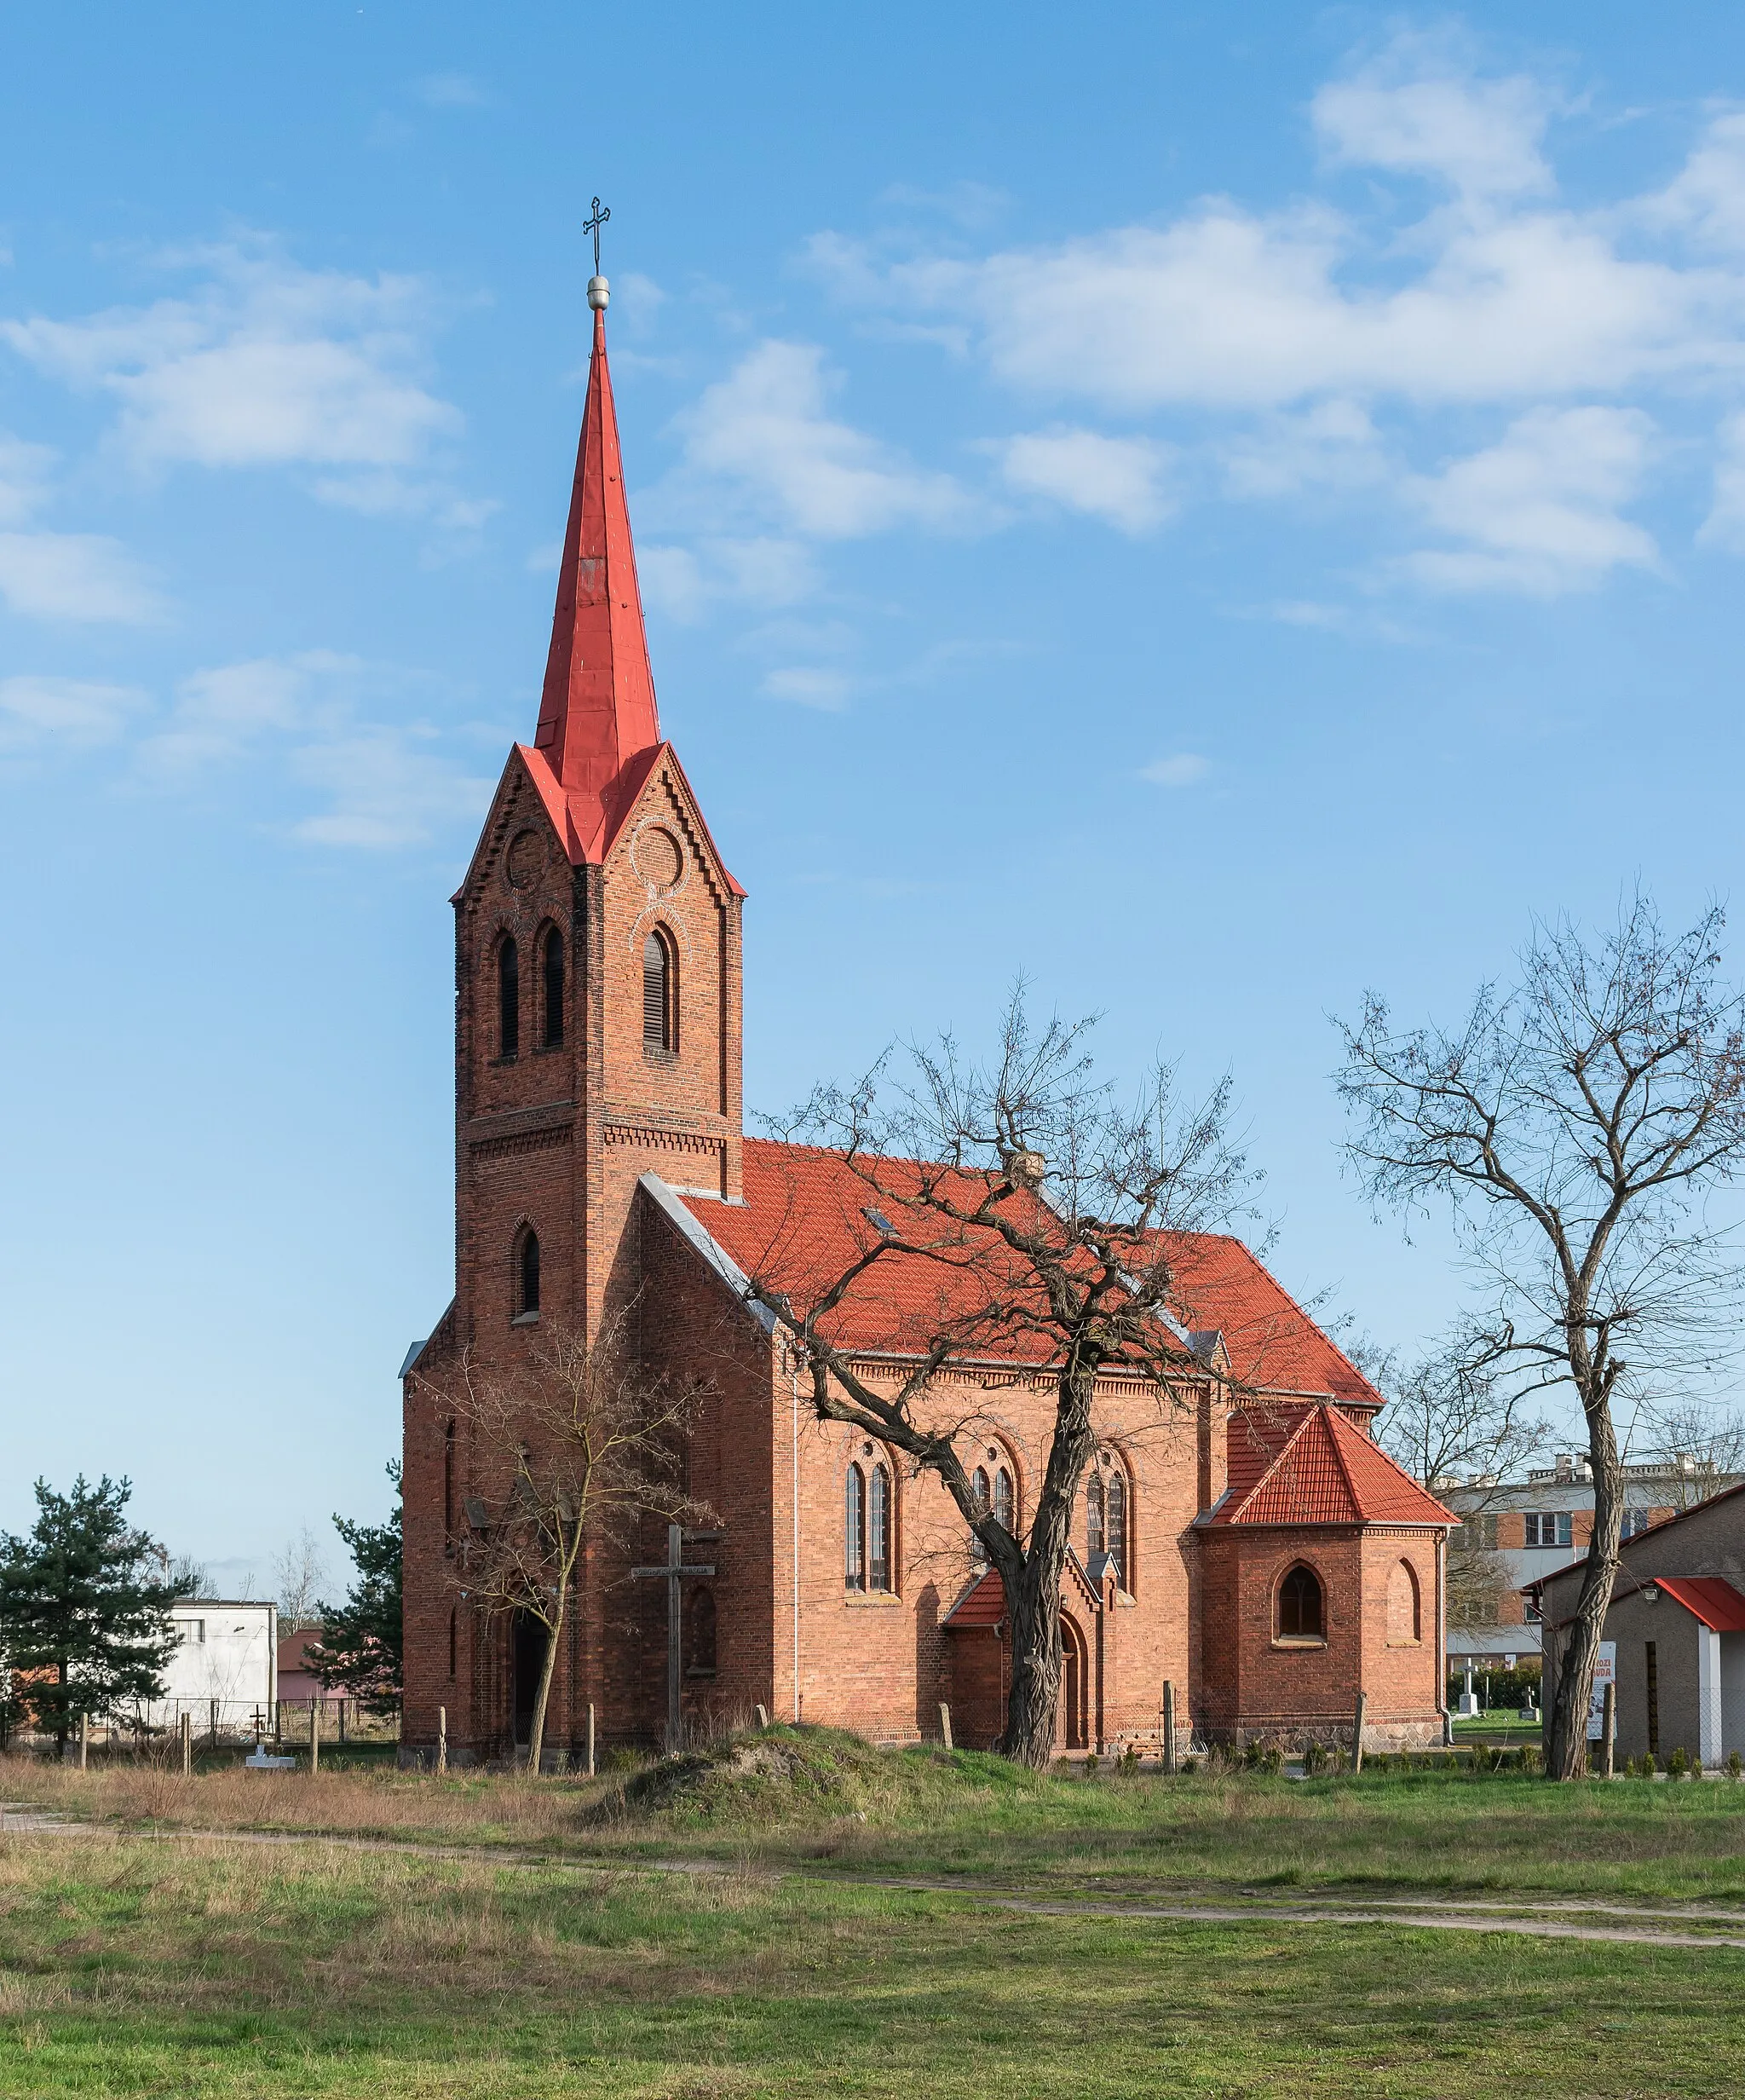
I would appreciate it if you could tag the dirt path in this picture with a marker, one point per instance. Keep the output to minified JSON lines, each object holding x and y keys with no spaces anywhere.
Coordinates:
{"x":1564,"y":1917}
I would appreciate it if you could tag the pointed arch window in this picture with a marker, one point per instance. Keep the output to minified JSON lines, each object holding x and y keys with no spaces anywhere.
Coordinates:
{"x":659,"y":995}
{"x":854,"y":1529}
{"x":526,"y":1275}
{"x":1005,"y":1502}
{"x":1300,"y":1615}
{"x":1094,"y":1514}
{"x":551,"y":972}
{"x":981,"y":1494}
{"x":508,"y":998}
{"x":878,"y":1531}
{"x":1114,"y":1524}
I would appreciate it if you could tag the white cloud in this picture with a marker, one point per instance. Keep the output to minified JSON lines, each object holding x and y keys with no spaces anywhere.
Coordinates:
{"x":386,"y":783}
{"x":63,"y":713}
{"x":450,"y":91}
{"x":763,"y":437}
{"x":1539,"y":510}
{"x":811,"y":686}
{"x":263,"y":364}
{"x":1117,"y":479}
{"x":1332,"y":445}
{"x":74,"y":577}
{"x":1181,"y":770}
{"x":1417,"y":110}
{"x":24,"y":478}
{"x":1724,"y":526}
{"x":758,"y":573}
{"x":1705,"y":199}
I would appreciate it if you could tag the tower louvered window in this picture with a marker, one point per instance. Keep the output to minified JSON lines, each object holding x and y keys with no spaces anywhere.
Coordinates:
{"x":553,"y":972}
{"x":509,"y":999}
{"x":659,"y":1033}
{"x":527,"y":1273}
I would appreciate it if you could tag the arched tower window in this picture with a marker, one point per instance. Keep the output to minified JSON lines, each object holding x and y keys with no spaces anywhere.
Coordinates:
{"x":1300,"y":1617}
{"x":509,"y":999}
{"x":527,"y":1273}
{"x":551,"y":970}
{"x":660,"y":994}
{"x":980,"y":1492}
{"x":879,"y":1543}
{"x":1402,"y":1619}
{"x":854,"y":1529}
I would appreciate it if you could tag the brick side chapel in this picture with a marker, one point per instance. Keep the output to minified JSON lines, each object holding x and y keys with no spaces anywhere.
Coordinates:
{"x":1264,"y":1557}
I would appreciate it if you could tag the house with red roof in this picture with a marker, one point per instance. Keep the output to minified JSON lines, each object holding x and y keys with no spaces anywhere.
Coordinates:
{"x":1677,"y":1630}
{"x":1238,"y":1534}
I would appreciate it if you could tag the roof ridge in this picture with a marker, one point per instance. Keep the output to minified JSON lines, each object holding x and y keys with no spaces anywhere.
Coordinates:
{"x":1326,"y":1411}
{"x":1297,"y":1307}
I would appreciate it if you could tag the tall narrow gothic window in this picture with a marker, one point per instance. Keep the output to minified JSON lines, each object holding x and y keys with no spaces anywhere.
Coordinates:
{"x":878,"y":1549}
{"x":553,"y":962}
{"x":448,"y":1487}
{"x":509,"y":999}
{"x":854,"y":1530}
{"x":659,"y":1032}
{"x":1093,"y":1517}
{"x":1003,"y":1509}
{"x":527,"y":1273}
{"x":1299,"y":1615}
{"x":1114,"y":1525}
{"x":979,"y":1490}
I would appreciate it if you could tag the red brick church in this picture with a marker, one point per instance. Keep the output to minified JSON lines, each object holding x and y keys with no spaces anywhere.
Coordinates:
{"x":1259,"y":1553}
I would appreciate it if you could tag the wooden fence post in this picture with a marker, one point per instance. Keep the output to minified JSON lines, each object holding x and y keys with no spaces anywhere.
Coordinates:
{"x":762,"y":1717}
{"x":214,"y":1724}
{"x":945,"y":1725}
{"x":1357,"y":1733}
{"x":314,"y":1737}
{"x":591,"y":1738}
{"x":1609,"y":1730}
{"x":84,"y":1739}
{"x":187,"y":1744}
{"x":1169,"y":1726}
{"x":442,"y":1738}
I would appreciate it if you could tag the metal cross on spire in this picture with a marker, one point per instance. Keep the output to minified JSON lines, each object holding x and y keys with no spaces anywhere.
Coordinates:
{"x":602,"y":214}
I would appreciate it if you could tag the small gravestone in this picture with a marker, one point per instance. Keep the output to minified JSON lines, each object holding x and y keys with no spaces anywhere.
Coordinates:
{"x":262,"y":1760}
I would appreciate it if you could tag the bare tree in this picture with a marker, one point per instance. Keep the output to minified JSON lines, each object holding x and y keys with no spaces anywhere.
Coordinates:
{"x":1701,"y":1444}
{"x":1015,"y":1209}
{"x":1464,"y":1431}
{"x":578,"y":1442}
{"x":300,"y":1575}
{"x":1574,"y":1123}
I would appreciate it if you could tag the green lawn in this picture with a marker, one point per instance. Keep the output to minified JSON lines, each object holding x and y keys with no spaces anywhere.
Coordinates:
{"x":128,"y":1967}
{"x":135,"y":1965}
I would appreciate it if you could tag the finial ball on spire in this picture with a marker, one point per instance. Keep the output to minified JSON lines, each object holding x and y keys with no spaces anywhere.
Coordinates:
{"x":599,"y":294}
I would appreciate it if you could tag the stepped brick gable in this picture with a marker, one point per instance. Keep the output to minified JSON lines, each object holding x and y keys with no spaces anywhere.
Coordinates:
{"x":1269,"y":1561}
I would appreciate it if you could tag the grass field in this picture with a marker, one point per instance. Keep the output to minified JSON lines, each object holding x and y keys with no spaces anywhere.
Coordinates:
{"x":134,"y":1962}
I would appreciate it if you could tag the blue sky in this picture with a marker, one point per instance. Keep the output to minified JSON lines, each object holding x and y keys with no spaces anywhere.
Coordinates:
{"x":1211,"y":520}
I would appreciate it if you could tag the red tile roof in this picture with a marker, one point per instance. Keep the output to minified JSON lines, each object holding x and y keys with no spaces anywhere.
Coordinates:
{"x":1271,"y":1339}
{"x":1310,"y":1464}
{"x":1713,"y":1599}
{"x":983,"y":1602}
{"x":804,"y":1220}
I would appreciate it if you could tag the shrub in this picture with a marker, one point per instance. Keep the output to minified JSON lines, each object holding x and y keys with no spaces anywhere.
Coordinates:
{"x":1678,"y":1763}
{"x":1735,"y":1765}
{"x":1129,"y":1759}
{"x":1314,"y":1757}
{"x":1190,"y":1766}
{"x":1644,"y":1765}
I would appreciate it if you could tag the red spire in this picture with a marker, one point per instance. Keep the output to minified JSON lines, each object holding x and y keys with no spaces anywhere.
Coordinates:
{"x":597,"y":710}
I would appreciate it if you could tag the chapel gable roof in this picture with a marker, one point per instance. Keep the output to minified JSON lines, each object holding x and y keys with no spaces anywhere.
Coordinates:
{"x":1308,"y":1463}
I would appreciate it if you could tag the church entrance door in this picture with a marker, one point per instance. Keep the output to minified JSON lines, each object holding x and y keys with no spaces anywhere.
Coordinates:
{"x":1072,"y":1684}
{"x":529,"y":1637}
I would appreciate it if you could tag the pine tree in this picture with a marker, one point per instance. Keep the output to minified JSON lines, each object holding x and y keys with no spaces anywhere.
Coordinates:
{"x":81,"y":1598}
{"x":363,"y":1640}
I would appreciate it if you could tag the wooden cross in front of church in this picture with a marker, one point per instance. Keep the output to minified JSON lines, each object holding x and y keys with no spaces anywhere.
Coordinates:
{"x":673,"y":1573}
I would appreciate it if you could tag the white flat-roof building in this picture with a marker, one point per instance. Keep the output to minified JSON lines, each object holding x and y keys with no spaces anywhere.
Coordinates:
{"x":227,"y":1651}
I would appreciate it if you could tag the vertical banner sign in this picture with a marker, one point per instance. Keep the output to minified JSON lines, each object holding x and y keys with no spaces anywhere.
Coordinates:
{"x":1605,"y":1670}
